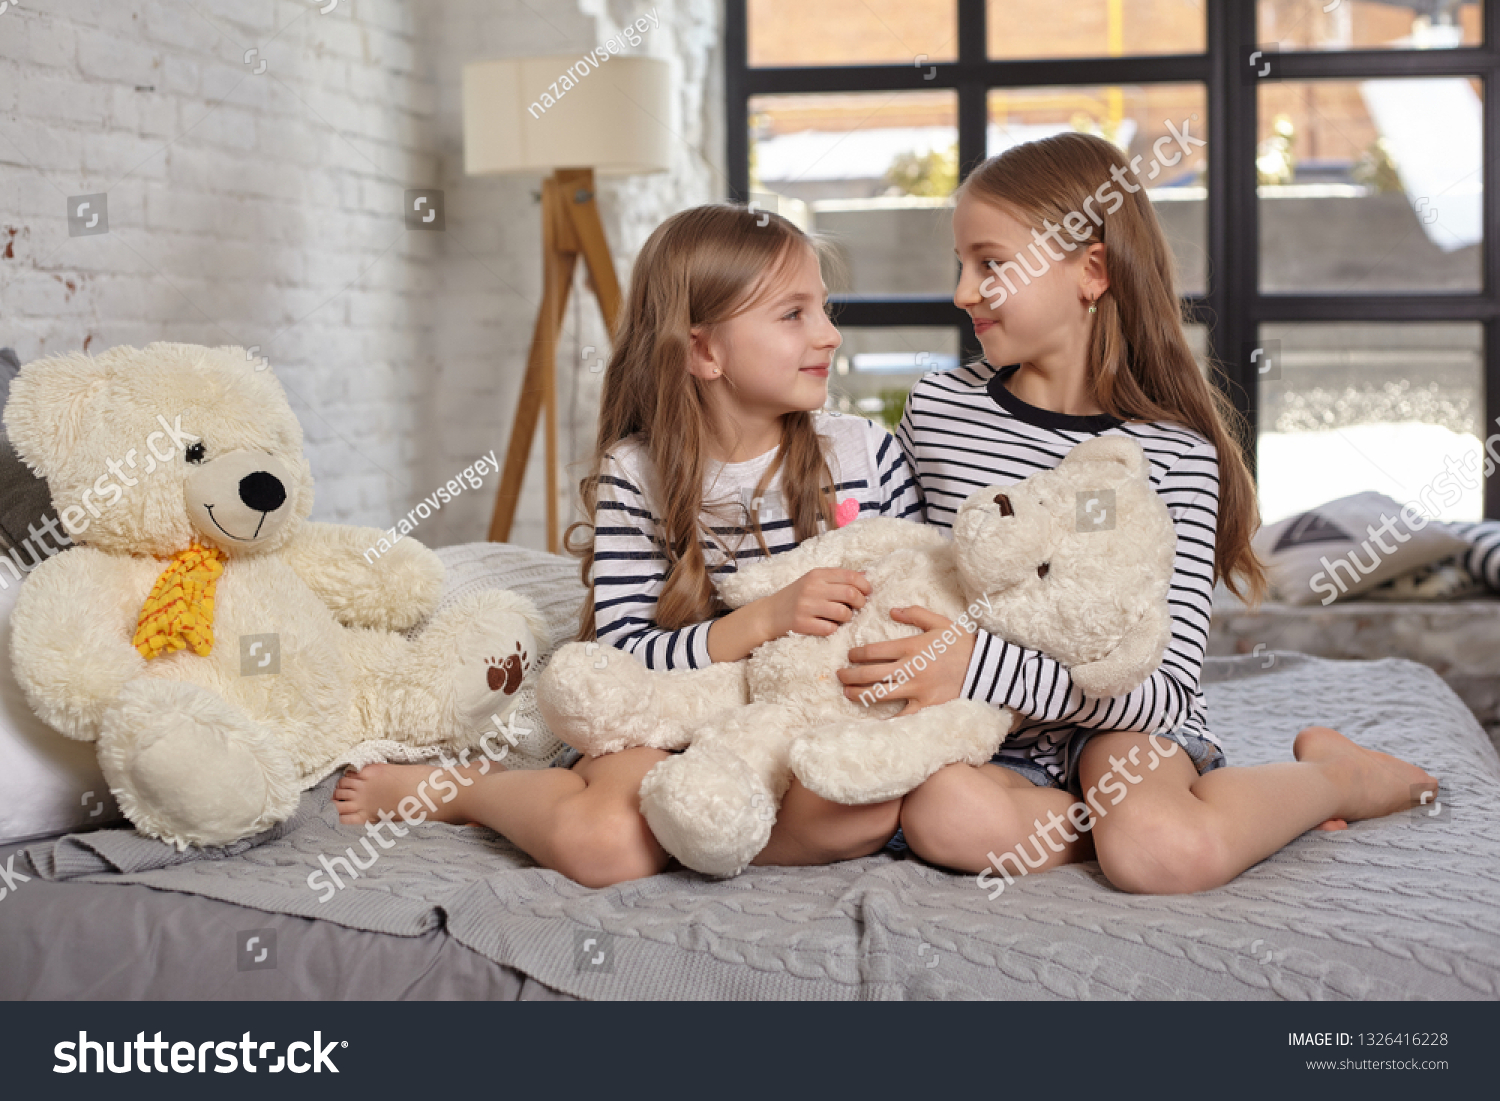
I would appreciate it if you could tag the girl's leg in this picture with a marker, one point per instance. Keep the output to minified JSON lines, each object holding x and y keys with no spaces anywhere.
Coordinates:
{"x":1173,"y":831}
{"x":963,"y":813}
{"x":584,"y":822}
{"x":812,"y":830}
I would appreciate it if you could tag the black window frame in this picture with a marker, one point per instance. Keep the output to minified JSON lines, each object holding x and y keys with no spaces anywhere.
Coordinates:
{"x":1234,"y":307}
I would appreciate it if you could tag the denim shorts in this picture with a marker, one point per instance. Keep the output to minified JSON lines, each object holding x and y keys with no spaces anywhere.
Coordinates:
{"x":568,"y":758}
{"x":1205,"y":755}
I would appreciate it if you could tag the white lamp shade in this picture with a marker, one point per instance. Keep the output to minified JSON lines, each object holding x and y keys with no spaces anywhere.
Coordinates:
{"x":615,"y":119}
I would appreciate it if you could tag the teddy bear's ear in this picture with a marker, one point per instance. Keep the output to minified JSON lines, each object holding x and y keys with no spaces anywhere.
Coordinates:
{"x":1112,"y":449}
{"x":49,"y":409}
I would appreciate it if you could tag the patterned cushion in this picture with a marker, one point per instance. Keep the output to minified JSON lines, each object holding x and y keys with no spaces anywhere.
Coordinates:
{"x":1348,"y":547}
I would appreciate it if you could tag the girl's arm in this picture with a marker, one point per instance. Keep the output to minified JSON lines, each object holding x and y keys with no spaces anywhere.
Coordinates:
{"x":899,"y":492}
{"x":909,"y":454}
{"x":1039,"y":687}
{"x":630,"y":571}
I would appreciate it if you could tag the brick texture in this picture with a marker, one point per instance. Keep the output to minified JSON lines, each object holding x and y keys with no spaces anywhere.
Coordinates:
{"x":266,"y":209}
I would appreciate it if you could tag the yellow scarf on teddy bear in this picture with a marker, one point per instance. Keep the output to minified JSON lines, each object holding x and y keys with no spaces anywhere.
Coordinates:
{"x":179,"y":613}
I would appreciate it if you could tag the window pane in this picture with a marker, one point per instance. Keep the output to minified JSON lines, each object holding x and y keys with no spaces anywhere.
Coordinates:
{"x":1370,"y":185}
{"x":875,"y":368}
{"x":1134,"y":118}
{"x":1368,"y":25}
{"x":872,"y":172}
{"x":1391,"y":407}
{"x":852,"y":32}
{"x":1197,"y":338}
{"x":1094,"y":28}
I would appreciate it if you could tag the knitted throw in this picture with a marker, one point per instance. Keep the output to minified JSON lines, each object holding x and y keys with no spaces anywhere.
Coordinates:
{"x":179,"y":613}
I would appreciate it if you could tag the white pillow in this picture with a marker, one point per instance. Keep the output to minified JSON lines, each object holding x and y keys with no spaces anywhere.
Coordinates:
{"x":1329,"y":553}
{"x":48,"y":783}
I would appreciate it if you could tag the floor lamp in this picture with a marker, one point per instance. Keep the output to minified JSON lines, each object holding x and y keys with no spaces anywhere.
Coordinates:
{"x":569,"y":118}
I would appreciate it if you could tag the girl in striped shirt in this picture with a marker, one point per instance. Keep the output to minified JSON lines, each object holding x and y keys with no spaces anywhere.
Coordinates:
{"x":711,"y":430}
{"x":1069,"y":282}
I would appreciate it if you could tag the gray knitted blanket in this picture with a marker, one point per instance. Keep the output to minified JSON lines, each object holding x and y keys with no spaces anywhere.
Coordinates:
{"x":1401,"y":907}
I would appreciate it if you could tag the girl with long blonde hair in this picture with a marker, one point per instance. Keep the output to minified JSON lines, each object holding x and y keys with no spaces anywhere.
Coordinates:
{"x":712,"y":429}
{"x":1069,"y":283}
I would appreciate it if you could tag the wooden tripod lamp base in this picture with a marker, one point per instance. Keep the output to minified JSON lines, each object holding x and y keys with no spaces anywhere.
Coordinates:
{"x":570,"y":229}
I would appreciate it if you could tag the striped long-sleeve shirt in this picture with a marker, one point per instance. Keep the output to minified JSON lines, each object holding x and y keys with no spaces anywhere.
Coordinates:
{"x":963,"y":431}
{"x":630,"y":567}
{"x":1483,"y":557}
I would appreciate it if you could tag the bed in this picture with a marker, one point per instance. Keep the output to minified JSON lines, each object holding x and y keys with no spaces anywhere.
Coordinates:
{"x":1402,"y":907}
{"x":1457,"y":639}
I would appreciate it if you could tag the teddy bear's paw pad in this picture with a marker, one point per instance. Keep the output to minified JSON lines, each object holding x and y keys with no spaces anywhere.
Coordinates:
{"x":709,"y":810}
{"x":860,"y":762}
{"x":190,"y":768}
{"x":506,"y":676}
{"x":494,"y":661}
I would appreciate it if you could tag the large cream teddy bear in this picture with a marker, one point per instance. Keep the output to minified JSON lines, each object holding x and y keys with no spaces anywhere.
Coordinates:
{"x":224,"y":653}
{"x":1075,"y":561}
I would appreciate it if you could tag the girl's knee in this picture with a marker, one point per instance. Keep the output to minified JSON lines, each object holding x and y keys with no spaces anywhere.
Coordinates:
{"x":1161,"y":853}
{"x":605,"y":846}
{"x":956,"y":816}
{"x":836,"y":830}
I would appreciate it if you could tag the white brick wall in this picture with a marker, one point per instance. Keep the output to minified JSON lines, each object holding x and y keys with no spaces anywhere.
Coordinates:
{"x":265,"y":209}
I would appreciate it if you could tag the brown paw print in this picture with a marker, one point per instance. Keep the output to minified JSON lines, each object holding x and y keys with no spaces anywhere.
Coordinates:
{"x":506,"y":676}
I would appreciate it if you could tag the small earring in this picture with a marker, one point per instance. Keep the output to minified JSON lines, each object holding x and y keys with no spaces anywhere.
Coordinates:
{"x":1093,"y":308}
{"x":716,"y":370}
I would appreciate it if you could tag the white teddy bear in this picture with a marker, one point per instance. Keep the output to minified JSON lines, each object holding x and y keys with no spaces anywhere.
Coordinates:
{"x":225,"y":653}
{"x":1075,"y":561}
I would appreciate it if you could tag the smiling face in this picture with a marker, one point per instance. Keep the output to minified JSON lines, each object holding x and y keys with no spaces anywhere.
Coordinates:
{"x":1032,"y":318}
{"x":239,"y":496}
{"x":777,"y":354}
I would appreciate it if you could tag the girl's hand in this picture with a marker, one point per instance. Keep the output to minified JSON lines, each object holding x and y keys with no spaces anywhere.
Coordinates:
{"x":817,"y":603}
{"x":946,"y":662}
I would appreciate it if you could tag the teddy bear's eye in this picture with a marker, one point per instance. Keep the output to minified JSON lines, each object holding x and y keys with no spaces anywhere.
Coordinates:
{"x":195,"y":452}
{"x":1005,"y":506}
{"x":1041,"y":571}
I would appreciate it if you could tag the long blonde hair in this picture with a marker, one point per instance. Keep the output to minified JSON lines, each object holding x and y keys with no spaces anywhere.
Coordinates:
{"x":1139,"y":364}
{"x":700,"y":267}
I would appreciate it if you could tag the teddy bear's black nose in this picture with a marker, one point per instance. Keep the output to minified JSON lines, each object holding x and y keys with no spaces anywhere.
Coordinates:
{"x":1005,"y":506}
{"x":262,"y":491}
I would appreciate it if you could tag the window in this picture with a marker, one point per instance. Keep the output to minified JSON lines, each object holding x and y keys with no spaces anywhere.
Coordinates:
{"x":1334,"y":226}
{"x":1350,"y":407}
{"x":1366,"y":25}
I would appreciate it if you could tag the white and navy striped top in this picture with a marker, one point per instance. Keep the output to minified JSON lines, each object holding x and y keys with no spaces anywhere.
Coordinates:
{"x":1483,"y":557}
{"x":963,"y":431}
{"x":630,"y":568}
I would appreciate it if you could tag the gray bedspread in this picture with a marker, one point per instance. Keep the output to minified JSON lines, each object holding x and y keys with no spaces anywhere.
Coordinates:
{"x":1401,"y":907}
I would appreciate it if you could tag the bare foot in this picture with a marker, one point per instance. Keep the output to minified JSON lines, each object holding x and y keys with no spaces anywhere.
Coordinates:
{"x":361,"y":796}
{"x":1371,"y":784}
